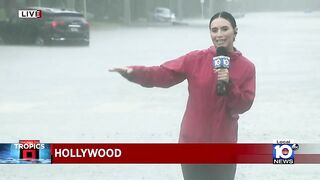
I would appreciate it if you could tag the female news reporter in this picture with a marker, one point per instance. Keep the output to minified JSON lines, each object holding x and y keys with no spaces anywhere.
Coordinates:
{"x":208,"y":118}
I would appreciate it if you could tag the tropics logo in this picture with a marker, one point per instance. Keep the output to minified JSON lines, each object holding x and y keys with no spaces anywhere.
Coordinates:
{"x":29,"y":149}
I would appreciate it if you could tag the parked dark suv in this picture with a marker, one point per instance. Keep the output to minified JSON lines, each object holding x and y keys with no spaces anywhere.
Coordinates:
{"x":55,"y":25}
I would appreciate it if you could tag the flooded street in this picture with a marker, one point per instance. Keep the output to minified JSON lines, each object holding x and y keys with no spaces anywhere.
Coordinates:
{"x":66,"y":94}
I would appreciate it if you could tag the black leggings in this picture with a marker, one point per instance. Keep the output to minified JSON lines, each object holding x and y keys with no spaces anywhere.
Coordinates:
{"x":209,"y":171}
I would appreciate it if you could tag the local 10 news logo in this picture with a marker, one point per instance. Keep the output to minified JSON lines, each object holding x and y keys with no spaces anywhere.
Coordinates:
{"x":221,"y":62}
{"x":283,"y":152}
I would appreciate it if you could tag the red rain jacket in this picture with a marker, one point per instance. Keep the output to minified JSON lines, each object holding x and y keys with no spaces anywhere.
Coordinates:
{"x":208,"y":118}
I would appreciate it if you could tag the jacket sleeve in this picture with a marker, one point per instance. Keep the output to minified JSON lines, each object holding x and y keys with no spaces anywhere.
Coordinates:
{"x":165,"y":75}
{"x":240,"y":98}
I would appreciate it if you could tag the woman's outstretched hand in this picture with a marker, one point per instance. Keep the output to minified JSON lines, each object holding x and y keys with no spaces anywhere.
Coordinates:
{"x":123,"y":71}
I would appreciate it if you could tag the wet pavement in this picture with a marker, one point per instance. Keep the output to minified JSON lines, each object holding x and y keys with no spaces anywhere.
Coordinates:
{"x":66,"y":94}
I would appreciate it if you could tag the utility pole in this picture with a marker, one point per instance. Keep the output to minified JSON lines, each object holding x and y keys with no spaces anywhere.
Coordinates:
{"x":85,"y":8}
{"x":127,"y":12}
{"x":202,"y":8}
{"x":180,"y":9}
{"x":211,"y":7}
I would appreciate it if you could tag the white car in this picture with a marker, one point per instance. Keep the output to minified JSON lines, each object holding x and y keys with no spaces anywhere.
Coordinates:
{"x":162,"y":14}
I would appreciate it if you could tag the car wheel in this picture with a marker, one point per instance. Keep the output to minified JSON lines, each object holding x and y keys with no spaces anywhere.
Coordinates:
{"x":39,"y":41}
{"x":1,"y":40}
{"x":7,"y":40}
{"x":85,"y":43}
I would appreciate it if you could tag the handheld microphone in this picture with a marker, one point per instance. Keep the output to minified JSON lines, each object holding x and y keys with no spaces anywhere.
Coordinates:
{"x":221,"y":61}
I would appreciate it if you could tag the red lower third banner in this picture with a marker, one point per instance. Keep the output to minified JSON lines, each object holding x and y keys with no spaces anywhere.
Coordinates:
{"x":162,"y":153}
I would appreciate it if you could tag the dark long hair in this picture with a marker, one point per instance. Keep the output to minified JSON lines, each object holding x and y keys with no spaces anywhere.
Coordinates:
{"x":226,"y":16}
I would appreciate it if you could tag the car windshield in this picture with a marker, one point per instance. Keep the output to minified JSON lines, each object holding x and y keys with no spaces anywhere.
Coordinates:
{"x":66,"y":15}
{"x":163,"y":10}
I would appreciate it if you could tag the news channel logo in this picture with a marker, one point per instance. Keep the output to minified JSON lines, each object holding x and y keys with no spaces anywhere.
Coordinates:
{"x":283,"y":153}
{"x":29,"y":13}
{"x":221,"y":62}
{"x":25,"y":152}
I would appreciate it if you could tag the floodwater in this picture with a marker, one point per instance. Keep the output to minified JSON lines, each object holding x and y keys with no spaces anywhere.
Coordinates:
{"x":66,"y":94}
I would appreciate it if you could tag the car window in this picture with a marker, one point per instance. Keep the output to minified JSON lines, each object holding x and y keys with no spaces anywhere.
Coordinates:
{"x":67,"y":15}
{"x":164,"y":11}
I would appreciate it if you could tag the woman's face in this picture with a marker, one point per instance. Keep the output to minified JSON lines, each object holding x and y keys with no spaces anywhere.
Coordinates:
{"x":222,"y":33}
